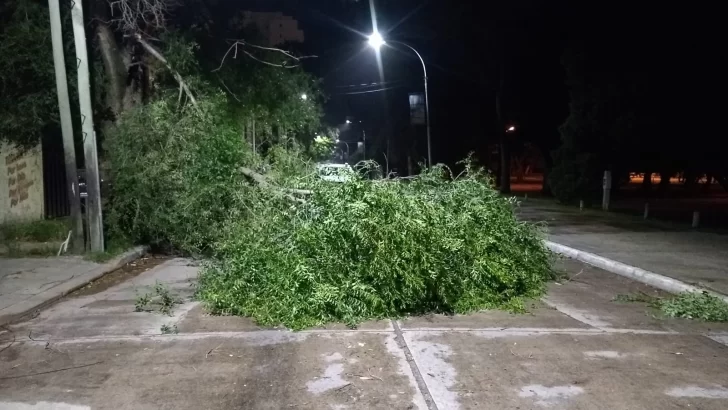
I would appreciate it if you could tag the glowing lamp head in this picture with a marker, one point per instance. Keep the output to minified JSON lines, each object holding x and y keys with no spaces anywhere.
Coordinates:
{"x":376,"y":41}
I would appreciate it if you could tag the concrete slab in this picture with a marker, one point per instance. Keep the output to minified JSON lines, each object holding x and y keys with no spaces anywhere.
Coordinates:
{"x":307,"y":371}
{"x":589,"y":295}
{"x":471,"y":370}
{"x":92,"y":351}
{"x":539,"y":316}
{"x":30,"y":284}
{"x":112,"y":311}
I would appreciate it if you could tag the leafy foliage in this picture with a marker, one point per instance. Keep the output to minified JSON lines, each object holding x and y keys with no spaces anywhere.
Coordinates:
{"x":175,"y":178}
{"x":27,"y":83}
{"x":692,"y":305}
{"x":374,"y":249}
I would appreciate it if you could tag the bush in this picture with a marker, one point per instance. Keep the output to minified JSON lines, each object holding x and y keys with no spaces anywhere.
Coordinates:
{"x":375,"y":249}
{"x":174,"y":175}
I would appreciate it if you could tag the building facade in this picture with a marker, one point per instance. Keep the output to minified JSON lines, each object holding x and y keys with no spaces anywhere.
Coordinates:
{"x":275,"y":28}
{"x":21,"y":184}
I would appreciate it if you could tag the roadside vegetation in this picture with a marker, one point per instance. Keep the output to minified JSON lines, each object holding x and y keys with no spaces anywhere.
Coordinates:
{"x":32,"y":239}
{"x":688,"y":305}
{"x":287,"y":248}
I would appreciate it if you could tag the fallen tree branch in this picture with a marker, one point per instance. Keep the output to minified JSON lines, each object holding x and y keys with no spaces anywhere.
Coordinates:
{"x":263,"y":182}
{"x":244,"y":43}
{"x":156,"y":54}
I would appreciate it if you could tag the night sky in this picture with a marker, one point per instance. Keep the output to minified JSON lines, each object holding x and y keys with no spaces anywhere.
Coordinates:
{"x":467,"y":45}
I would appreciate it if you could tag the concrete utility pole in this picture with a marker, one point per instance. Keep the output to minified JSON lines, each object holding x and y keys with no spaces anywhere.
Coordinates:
{"x":93,"y":202}
{"x":64,"y":108}
{"x":607,"y":189}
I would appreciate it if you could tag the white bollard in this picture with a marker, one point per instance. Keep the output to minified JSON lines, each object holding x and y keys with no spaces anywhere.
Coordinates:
{"x":647,"y":210}
{"x":581,"y":205}
{"x":696,"y":219}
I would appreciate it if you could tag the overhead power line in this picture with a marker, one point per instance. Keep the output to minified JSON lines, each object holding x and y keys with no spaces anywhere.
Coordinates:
{"x":364,"y":85}
{"x":371,"y":91}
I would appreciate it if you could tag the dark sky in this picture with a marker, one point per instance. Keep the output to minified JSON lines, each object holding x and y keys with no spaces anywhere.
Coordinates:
{"x":467,"y":45}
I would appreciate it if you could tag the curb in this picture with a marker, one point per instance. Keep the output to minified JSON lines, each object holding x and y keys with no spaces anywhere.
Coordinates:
{"x":632,"y":272}
{"x":43,"y":299}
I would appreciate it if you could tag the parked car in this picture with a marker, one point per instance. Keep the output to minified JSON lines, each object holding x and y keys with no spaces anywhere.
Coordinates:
{"x":335,"y":172}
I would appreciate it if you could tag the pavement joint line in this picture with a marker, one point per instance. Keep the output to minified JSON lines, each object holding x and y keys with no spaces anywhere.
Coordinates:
{"x":42,"y":339}
{"x":421,"y":384}
{"x":545,"y":331}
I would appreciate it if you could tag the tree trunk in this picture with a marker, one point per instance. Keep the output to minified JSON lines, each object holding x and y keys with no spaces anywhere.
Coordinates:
{"x":647,"y":182}
{"x":114,"y":68}
{"x":664,"y":181}
{"x":548,"y":163}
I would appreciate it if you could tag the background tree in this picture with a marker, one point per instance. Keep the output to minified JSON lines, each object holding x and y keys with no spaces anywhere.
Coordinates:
{"x":27,"y":84}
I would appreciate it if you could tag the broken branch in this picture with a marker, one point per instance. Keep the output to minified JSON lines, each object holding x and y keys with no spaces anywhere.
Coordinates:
{"x":263,"y":182}
{"x":156,"y":54}
{"x":243,"y":43}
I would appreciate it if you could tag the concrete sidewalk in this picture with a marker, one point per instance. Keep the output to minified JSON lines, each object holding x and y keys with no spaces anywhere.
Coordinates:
{"x":693,"y":257}
{"x":577,"y":349}
{"x":27,"y":284}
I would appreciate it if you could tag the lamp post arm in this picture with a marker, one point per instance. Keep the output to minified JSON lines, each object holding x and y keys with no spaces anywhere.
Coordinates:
{"x":427,"y":101}
{"x":424,"y":68}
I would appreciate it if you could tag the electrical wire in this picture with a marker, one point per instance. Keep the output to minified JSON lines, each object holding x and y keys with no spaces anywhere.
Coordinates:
{"x":371,"y":91}
{"x":370,"y":84}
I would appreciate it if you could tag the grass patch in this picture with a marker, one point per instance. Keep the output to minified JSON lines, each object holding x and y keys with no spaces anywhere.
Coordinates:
{"x":46,"y":230}
{"x":169,"y":330}
{"x":114,"y":248}
{"x":160,"y":299}
{"x":27,"y":250}
{"x":701,"y":306}
{"x":688,"y":305}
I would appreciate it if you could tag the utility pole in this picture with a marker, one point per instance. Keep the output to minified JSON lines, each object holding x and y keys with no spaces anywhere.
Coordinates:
{"x":505,"y":152}
{"x":64,"y":108}
{"x":93,"y":202}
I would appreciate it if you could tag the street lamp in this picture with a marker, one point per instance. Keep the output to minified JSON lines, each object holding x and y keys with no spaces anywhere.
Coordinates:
{"x":510,"y":129}
{"x":346,"y":144}
{"x":304,"y":96}
{"x":376,"y":41}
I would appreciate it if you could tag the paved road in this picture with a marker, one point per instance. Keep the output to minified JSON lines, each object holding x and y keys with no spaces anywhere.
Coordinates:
{"x":697,"y":258}
{"x":576,"y":349}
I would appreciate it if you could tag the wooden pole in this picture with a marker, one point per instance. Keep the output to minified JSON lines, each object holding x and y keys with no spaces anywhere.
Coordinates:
{"x":64,"y":108}
{"x":93,"y":201}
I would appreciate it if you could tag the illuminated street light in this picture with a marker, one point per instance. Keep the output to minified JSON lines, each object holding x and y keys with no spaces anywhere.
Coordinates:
{"x":348,"y":121}
{"x":304,"y":96}
{"x":376,"y":40}
{"x":510,"y":129}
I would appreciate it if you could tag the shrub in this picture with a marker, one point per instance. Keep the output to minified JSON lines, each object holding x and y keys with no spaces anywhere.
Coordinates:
{"x":174,"y":175}
{"x":374,"y":249}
